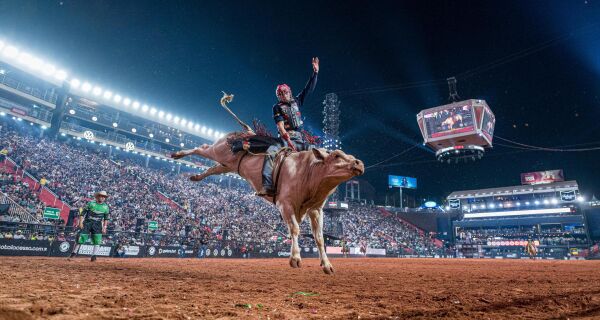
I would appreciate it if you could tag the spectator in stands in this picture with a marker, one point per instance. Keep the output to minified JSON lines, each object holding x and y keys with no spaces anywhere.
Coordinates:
{"x":19,"y":235}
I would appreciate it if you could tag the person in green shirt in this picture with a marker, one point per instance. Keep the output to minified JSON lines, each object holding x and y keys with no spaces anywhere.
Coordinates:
{"x":93,"y":220}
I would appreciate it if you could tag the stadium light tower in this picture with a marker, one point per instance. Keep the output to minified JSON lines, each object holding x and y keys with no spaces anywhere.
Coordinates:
{"x":331,"y":122}
{"x":331,"y":127}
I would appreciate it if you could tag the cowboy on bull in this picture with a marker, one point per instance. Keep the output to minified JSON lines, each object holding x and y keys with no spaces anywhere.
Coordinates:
{"x":288,"y":119}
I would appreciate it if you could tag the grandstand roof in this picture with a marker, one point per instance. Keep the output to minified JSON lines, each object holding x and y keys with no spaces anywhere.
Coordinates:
{"x":515,"y":190}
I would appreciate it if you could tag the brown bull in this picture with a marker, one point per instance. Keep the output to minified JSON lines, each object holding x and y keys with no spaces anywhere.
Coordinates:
{"x":307,"y":178}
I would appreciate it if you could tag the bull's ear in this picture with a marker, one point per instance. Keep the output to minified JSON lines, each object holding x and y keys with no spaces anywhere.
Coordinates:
{"x":320,"y":154}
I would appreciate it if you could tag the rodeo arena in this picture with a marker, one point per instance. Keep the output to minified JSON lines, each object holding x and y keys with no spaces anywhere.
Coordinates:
{"x":114,"y":208}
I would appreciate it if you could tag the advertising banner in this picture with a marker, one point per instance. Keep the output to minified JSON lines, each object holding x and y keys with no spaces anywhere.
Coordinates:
{"x":152,"y":225}
{"x":87,"y":250}
{"x":132,"y":251}
{"x":568,"y":196}
{"x":402,"y":182}
{"x":61,"y":248}
{"x":454,"y":203}
{"x":219,"y":252}
{"x":169,"y":252}
{"x":375,"y":252}
{"x":11,"y":247}
{"x":541,"y":177}
{"x":51,"y":213}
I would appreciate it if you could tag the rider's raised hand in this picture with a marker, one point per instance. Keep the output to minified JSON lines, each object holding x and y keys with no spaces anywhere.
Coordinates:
{"x":315,"y":64}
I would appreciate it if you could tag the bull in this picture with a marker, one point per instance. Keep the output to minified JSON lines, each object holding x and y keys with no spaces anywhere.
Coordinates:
{"x":306,"y":179}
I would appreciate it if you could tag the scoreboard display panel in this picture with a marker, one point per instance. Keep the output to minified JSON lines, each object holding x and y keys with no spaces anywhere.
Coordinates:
{"x":453,"y":120}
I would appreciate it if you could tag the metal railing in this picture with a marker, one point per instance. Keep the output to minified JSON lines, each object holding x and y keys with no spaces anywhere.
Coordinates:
{"x":44,"y":94}
{"x":15,"y":210}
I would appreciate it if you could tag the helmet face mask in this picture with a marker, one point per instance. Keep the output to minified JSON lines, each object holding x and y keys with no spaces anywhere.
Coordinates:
{"x":284,"y":93}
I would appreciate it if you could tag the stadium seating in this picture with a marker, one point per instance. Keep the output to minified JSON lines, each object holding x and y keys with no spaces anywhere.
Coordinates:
{"x":75,"y":169}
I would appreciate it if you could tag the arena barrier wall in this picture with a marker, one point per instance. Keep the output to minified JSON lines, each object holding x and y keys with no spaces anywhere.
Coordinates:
{"x":11,"y":247}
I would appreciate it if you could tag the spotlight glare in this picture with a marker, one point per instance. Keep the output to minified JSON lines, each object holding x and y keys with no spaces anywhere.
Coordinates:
{"x":117,"y":98}
{"x":107,"y":95}
{"x":136,"y":105}
{"x":71,"y":112}
{"x":153,"y":111}
{"x":115,"y":124}
{"x":203,"y":129}
{"x":11,"y":52}
{"x":209,"y":132}
{"x":197,"y":127}
{"x":25,"y":58}
{"x":167,"y":140}
{"x":181,"y":144}
{"x":151,"y":135}
{"x":49,"y":69}
{"x":161,"y":114}
{"x":126,"y":102}
{"x":75,"y":83}
{"x":97,"y":91}
{"x":145,"y":108}
{"x":86,"y":87}
{"x":134,"y":130}
{"x":169,"y":116}
{"x":94,"y":118}
{"x":176,"y":119}
{"x":183,"y":122}
{"x":61,"y":75}
{"x":36,"y":64}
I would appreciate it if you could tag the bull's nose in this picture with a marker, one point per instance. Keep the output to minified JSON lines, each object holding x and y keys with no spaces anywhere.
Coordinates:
{"x":359,"y":166}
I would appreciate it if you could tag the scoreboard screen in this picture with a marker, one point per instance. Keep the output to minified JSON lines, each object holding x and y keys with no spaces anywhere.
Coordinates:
{"x":452,"y":120}
{"x":402,"y":182}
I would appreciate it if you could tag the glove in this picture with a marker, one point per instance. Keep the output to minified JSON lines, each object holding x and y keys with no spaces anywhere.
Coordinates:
{"x":287,"y":139}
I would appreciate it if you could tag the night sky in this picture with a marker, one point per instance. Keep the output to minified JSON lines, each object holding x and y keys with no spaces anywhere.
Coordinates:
{"x":536,"y":63}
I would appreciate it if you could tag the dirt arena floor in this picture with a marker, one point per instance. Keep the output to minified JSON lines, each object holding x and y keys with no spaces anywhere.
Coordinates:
{"x":54,"y":288}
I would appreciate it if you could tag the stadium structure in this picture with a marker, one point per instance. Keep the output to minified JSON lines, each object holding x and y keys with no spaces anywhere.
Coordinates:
{"x":39,"y":93}
{"x":498,"y":222}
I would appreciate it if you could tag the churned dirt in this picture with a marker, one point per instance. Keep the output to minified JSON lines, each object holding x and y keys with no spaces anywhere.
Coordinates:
{"x":54,"y":288}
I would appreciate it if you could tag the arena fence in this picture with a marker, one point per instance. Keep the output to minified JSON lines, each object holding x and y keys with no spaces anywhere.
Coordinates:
{"x":26,"y":239}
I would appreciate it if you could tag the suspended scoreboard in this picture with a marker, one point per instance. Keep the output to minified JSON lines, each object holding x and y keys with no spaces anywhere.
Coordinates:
{"x":458,"y":131}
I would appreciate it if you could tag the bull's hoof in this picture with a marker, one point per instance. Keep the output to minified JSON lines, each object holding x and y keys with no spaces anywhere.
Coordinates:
{"x":327,"y":268}
{"x":177,"y":155}
{"x":196,"y":177}
{"x":295,"y":262}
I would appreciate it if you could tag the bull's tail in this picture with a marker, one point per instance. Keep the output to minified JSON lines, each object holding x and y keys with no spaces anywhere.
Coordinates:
{"x":227,"y":98}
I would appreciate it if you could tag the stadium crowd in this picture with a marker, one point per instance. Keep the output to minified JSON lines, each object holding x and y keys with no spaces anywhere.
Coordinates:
{"x":75,"y":169}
